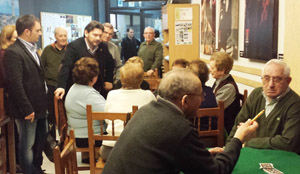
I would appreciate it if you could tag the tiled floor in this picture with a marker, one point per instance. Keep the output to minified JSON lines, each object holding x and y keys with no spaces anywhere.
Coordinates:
{"x":49,"y":166}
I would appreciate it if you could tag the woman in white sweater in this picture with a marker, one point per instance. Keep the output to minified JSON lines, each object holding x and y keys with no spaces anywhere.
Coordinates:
{"x":122,"y":100}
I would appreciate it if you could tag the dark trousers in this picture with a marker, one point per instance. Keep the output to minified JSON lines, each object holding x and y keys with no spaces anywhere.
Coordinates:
{"x":50,"y":108}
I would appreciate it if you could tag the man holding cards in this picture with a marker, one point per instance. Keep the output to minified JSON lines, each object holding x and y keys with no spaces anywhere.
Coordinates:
{"x":280,"y":123}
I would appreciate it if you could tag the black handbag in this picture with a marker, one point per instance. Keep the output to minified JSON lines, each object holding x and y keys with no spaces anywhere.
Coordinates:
{"x":49,"y":145}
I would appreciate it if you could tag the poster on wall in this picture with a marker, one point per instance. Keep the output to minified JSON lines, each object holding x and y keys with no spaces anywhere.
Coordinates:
{"x":74,"y":25}
{"x":228,"y":17}
{"x":261,"y":29}
{"x":9,"y":12}
{"x":208,"y":26}
{"x":183,"y":33}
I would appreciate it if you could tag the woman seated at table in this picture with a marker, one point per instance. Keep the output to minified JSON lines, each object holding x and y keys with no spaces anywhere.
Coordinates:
{"x":85,"y":74}
{"x":199,"y":68}
{"x":180,"y":63}
{"x":225,"y":88}
{"x":122,"y":100}
{"x":138,"y":60}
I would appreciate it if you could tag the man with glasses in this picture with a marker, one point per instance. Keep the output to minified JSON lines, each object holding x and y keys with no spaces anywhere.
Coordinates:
{"x":280,"y":124}
{"x":151,"y":52}
{"x":160,"y":138}
{"x":113,"y":49}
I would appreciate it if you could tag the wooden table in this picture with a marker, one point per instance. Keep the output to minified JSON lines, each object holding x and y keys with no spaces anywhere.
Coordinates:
{"x":7,"y":130}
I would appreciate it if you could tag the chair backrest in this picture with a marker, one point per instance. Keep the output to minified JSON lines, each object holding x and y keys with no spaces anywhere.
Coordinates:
{"x":91,"y":116}
{"x":66,"y":161}
{"x":62,"y":126}
{"x":212,"y":113}
{"x":2,"y":112}
{"x":243,"y":97}
{"x":61,"y":119}
{"x":153,"y":76}
{"x":153,"y":83}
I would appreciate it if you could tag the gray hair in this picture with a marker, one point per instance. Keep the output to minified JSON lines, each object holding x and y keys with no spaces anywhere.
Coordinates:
{"x":177,"y":83}
{"x":149,"y":28}
{"x":280,"y":62}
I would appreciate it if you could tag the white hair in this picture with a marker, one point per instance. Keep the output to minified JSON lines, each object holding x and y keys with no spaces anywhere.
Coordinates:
{"x":280,"y":62}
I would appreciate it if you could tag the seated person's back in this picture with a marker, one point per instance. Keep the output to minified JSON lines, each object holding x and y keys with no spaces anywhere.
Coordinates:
{"x":85,"y":73}
{"x":123,"y":99}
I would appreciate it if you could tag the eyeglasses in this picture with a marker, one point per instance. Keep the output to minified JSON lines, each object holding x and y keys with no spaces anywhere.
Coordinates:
{"x":201,"y":95}
{"x":276,"y":79}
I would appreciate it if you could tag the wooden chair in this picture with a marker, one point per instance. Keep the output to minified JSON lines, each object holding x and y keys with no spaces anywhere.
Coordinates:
{"x":243,"y":97}
{"x":125,"y":117}
{"x":3,"y":150}
{"x":153,"y":83}
{"x":218,"y":134}
{"x":7,"y":139}
{"x":62,"y":126}
{"x":66,"y":161}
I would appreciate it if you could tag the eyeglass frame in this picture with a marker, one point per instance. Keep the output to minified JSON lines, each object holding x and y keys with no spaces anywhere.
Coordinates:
{"x":276,"y":79}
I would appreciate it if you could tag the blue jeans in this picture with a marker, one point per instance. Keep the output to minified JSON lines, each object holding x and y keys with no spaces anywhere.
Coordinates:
{"x":32,"y":136}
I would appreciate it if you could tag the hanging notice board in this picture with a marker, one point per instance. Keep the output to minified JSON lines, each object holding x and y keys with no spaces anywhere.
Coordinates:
{"x":74,"y":24}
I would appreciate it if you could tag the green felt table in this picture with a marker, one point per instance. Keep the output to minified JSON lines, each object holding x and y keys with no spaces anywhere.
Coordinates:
{"x":287,"y":162}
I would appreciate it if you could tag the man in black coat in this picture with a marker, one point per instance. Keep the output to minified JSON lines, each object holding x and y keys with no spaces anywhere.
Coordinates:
{"x":88,"y":46}
{"x":27,"y":93}
{"x":130,"y":45}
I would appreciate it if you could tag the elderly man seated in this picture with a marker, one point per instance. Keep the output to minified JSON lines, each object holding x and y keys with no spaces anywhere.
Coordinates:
{"x":160,"y":139}
{"x":280,"y":124}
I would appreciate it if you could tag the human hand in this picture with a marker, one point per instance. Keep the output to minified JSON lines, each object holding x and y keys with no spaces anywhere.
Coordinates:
{"x":215,"y":150}
{"x":30,"y":117}
{"x":245,"y":131}
{"x":108,"y":86}
{"x":59,"y":93}
{"x":150,"y":72}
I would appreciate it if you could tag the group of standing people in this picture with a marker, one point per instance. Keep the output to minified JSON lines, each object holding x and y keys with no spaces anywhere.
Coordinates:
{"x":32,"y":81}
{"x":85,"y":71}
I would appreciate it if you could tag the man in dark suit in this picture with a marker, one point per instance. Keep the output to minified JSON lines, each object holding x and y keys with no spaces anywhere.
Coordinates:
{"x":88,"y":46}
{"x":27,"y":93}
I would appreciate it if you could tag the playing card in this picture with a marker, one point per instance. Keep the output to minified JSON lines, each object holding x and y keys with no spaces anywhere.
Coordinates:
{"x":272,"y":171}
{"x":266,"y":165}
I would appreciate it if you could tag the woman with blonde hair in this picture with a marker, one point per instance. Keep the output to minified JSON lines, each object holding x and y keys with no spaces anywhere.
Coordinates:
{"x":137,"y":60}
{"x":122,"y":100}
{"x":8,"y":37}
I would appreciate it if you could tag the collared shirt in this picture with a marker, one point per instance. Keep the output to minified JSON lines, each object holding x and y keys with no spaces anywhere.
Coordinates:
{"x":89,"y":48}
{"x":270,"y":105}
{"x":32,"y":48}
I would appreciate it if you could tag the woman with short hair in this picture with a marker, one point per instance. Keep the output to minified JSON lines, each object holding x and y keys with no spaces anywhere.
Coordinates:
{"x":85,"y":74}
{"x":225,"y":88}
{"x":122,"y":100}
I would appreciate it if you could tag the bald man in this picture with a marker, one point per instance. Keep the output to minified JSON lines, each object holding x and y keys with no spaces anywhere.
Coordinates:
{"x":151,"y":52}
{"x":51,"y":58}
